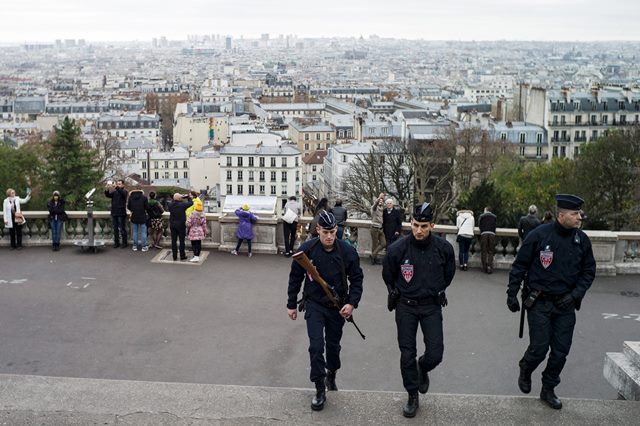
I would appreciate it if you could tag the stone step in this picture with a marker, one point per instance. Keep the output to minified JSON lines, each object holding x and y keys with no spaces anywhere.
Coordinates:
{"x":54,"y":400}
{"x":623,"y":375}
{"x":632,"y":351}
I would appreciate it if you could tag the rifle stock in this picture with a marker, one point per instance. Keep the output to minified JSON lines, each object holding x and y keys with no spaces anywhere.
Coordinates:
{"x":306,"y":264}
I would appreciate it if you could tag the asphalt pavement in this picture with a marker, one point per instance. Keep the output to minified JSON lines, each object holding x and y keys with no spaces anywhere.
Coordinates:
{"x":116,"y":315}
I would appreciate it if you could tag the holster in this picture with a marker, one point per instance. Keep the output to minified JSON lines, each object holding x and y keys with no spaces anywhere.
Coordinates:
{"x":442,"y":299}
{"x":530,"y":299}
{"x":392,"y":299}
{"x":301,"y":303}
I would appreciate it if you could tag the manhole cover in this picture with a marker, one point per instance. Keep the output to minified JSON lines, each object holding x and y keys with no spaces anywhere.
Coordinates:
{"x":630,"y":293}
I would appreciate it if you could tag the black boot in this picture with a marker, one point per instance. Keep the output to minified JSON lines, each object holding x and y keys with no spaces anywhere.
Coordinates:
{"x":524,"y":380}
{"x":411,"y":408}
{"x":317,"y":403}
{"x":330,"y":380}
{"x":550,"y":398}
{"x":424,"y":379}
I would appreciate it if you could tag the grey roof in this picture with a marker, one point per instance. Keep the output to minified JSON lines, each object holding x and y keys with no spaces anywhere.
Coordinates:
{"x":353,"y":148}
{"x":314,"y":127}
{"x":263,"y":150}
{"x":291,"y":107}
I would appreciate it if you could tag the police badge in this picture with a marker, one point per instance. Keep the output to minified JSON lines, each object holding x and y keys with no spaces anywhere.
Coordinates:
{"x":546,"y":257}
{"x":407,"y":271}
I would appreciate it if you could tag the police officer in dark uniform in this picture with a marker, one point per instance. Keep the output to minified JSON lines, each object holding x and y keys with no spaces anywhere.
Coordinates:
{"x":559,"y":262}
{"x":336,"y":261}
{"x":416,"y":270}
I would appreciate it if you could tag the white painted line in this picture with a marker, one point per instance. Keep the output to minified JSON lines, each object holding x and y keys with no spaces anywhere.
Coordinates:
{"x":86,"y":285}
{"x":69,"y":283}
{"x":87,"y":278}
{"x":18,"y":281}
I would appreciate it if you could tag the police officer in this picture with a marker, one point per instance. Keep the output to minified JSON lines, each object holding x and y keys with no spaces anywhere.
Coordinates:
{"x":335,"y":261}
{"x":558,"y":259}
{"x":416,"y":270}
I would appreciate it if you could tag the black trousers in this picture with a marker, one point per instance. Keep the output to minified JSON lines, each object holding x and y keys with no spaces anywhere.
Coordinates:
{"x":196,"y":247}
{"x":178,"y":232}
{"x":487,"y":250}
{"x":240,"y":240}
{"x":429,"y":317}
{"x":549,"y":327}
{"x":119,"y":228}
{"x":15,"y":234}
{"x":289,"y":235}
{"x":324,"y":327}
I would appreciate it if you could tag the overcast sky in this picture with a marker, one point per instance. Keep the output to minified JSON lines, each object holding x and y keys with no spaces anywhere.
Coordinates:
{"x":116,"y":20}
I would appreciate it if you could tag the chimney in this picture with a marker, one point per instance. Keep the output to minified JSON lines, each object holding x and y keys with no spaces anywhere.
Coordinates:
{"x":566,"y":93}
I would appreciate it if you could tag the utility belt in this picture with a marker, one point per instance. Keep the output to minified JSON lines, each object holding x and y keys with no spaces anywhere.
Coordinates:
{"x":440,"y":300}
{"x":326,"y":303}
{"x":531,"y":296}
{"x":552,"y":297}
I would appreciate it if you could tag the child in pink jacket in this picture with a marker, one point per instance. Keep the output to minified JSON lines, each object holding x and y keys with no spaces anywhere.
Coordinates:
{"x":197,"y":231}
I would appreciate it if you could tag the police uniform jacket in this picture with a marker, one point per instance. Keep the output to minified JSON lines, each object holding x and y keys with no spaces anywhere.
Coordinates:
{"x":329,"y":266}
{"x":419,"y":269}
{"x":557,"y":260}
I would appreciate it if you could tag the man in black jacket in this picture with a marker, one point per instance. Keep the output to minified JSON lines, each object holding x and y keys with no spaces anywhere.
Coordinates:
{"x":487,"y":223}
{"x":138,"y":204}
{"x":528,"y":223}
{"x":178,"y":223}
{"x":118,"y":197}
{"x":391,"y":222}
{"x":558,"y":260}
{"x":340,"y":214}
{"x":336,"y":262}
{"x":416,"y":270}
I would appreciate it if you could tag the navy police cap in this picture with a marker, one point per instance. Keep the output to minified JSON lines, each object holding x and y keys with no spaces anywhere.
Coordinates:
{"x":569,"y":202}
{"x":327,"y":220}
{"x":423,"y":212}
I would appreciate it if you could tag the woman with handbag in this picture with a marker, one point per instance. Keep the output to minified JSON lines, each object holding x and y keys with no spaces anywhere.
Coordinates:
{"x":290,"y":224}
{"x":13,"y":217}
{"x":57,"y":216}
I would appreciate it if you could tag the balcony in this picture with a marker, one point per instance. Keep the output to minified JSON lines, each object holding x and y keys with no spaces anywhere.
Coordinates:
{"x":565,"y":139}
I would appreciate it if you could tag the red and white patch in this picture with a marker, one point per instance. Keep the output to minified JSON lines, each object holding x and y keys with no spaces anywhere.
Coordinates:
{"x":546,"y":257}
{"x":407,"y":271}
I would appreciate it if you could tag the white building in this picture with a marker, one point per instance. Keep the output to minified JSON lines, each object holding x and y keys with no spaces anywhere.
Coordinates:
{"x":336,"y":166}
{"x":130,"y":124}
{"x":205,"y":171}
{"x":260,"y":170}
{"x":170,"y":168}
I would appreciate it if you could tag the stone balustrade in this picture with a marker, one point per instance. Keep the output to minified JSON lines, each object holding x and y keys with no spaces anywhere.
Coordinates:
{"x":615,"y":252}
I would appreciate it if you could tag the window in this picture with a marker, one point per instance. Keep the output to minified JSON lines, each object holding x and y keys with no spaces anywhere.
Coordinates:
{"x":155,"y":164}
{"x":578,"y":119}
{"x":297,"y":175}
{"x":620,"y":104}
{"x":306,"y":147}
{"x":250,"y":161}
{"x":283,"y":161}
{"x":523,"y":137}
{"x":343,"y":158}
{"x":594,"y":119}
{"x":563,"y":151}
{"x":539,"y":151}
{"x":539,"y":138}
{"x":503,"y":136}
{"x":273,"y":190}
{"x":261,"y":176}
{"x":605,"y":119}
{"x":318,"y":136}
{"x":284,"y":177}
{"x":156,"y":175}
{"x":306,"y":136}
{"x":229,"y":189}
{"x":318,"y":146}
{"x":175,"y":164}
{"x":261,"y":161}
{"x":313,"y":168}
{"x":251,"y":189}
{"x":166,"y":164}
{"x":297,"y":161}
{"x":563,"y":120}
{"x":522,"y":151}
{"x":273,"y":161}
{"x":273,"y":176}
{"x":313,"y":177}
{"x":229,"y":161}
{"x":623,"y":119}
{"x":594,"y":135}
{"x":250,"y":175}
{"x":283,"y":190}
{"x":144,"y":164}
{"x":576,"y":151}
{"x":175,"y":175}
{"x":555,"y":151}
{"x":576,"y":136}
{"x":144,"y":175}
{"x":328,"y":136}
{"x":239,"y":161}
{"x":229,"y":175}
{"x":261,"y":189}
{"x":239,"y":189}
{"x":186,"y":175}
{"x":239,"y":175}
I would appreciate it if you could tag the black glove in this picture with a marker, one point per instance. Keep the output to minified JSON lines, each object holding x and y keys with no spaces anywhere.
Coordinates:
{"x":566,"y":303}
{"x":392,"y":299}
{"x":513,"y":304}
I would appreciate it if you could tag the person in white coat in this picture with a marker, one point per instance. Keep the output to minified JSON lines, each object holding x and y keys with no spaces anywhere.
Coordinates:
{"x":10,"y":207}
{"x":465,"y":224}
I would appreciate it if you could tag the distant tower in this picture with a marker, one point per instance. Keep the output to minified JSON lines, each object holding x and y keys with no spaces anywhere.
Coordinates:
{"x":227,"y":43}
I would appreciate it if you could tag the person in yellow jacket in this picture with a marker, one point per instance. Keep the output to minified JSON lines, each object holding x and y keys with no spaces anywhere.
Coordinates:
{"x":196,"y":202}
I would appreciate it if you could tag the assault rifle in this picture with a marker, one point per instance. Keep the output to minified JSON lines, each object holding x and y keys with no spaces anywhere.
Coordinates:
{"x":304,"y":261}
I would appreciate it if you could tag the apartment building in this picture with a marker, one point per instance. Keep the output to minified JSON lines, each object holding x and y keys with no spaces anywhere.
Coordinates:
{"x":311,"y":135}
{"x":260,"y":170}
{"x":169,"y":168}
{"x":128,"y":124}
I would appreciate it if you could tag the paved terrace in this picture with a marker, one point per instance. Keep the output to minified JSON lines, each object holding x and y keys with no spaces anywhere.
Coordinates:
{"x":116,"y":315}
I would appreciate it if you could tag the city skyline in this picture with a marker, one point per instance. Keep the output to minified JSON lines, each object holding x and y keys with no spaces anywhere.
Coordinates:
{"x":118,"y":20}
